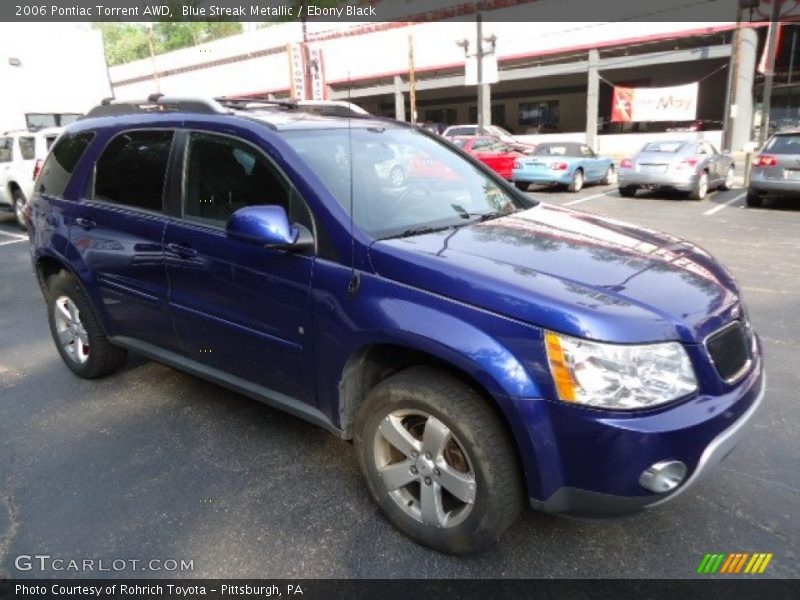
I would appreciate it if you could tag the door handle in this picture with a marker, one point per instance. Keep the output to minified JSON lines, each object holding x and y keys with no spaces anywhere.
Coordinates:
{"x":84,"y":222}
{"x":182,"y":250}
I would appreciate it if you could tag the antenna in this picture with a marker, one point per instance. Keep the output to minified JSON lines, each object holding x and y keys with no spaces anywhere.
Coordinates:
{"x":355,"y":280}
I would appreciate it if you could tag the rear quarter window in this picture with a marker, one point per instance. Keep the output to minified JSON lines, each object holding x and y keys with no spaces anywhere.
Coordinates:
{"x":61,"y":162}
{"x":27,"y":148}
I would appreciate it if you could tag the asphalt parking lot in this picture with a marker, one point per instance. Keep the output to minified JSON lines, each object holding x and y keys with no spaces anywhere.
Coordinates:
{"x":153,"y":463}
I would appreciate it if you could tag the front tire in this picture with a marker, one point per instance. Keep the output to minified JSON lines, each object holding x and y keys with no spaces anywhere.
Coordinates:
{"x":576,"y":185}
{"x":522,"y":185}
{"x":438,"y":461}
{"x":76,"y":331}
{"x":19,"y":208}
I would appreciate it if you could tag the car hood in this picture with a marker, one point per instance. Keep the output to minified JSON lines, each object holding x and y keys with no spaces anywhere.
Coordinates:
{"x":570,"y":272}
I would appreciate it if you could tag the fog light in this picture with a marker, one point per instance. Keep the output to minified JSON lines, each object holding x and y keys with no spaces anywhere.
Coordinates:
{"x":663,"y":476}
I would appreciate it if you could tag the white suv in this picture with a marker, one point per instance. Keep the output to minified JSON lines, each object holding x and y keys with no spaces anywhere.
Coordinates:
{"x":21,"y":156}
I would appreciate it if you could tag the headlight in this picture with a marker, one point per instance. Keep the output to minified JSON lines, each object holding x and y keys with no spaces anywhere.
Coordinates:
{"x":621,"y":377}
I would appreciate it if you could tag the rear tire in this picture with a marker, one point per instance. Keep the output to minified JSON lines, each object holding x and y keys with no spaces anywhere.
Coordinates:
{"x":522,"y":185}
{"x":76,"y":331}
{"x":628,"y":191}
{"x":576,"y":185}
{"x":754,"y":200}
{"x":700,"y":188}
{"x":19,"y":208}
{"x":422,"y":433}
{"x":611,"y":176}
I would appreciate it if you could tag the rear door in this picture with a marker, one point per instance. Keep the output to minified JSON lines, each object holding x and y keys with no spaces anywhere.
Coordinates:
{"x":118,"y":230}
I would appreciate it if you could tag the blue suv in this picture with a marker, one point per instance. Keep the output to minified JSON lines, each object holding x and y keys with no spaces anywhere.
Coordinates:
{"x":481,"y":350}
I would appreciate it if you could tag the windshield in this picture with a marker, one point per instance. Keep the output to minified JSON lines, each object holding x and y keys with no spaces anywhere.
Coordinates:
{"x":403,"y":181}
{"x":558,"y":150}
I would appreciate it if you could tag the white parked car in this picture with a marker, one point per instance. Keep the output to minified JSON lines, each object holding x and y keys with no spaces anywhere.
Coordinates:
{"x":21,"y":156}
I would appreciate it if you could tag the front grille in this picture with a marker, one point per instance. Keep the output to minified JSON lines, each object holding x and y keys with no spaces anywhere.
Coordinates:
{"x":729,"y":351}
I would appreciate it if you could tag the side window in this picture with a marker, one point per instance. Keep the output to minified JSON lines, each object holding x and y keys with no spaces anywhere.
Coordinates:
{"x":6,"y":149}
{"x":481,"y":144}
{"x":224,"y":174}
{"x":27,"y":148}
{"x":61,"y":163}
{"x":133,"y":168}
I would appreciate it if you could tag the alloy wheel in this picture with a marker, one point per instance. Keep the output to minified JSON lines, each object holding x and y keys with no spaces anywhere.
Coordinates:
{"x":70,"y":331}
{"x":424,"y":468}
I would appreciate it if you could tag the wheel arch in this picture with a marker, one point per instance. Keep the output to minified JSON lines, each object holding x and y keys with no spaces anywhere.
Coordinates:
{"x":371,"y":364}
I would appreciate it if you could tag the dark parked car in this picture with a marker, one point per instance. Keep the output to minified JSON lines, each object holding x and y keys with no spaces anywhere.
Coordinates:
{"x":482,"y":350}
{"x":776,"y":169}
{"x":687,"y":166}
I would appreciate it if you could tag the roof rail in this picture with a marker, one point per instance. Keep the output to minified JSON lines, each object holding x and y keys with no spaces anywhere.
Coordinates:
{"x":156,"y":103}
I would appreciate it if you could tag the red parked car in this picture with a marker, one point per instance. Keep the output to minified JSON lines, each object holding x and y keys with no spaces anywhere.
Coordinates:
{"x":496,"y":154}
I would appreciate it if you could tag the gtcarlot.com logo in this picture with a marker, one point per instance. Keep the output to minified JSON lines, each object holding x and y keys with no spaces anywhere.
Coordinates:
{"x":46,"y":562}
{"x":734,"y":563}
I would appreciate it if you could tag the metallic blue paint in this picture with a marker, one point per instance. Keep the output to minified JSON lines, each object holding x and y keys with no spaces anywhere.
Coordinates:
{"x":537,"y":169}
{"x":478,"y":298}
{"x":266,"y":225}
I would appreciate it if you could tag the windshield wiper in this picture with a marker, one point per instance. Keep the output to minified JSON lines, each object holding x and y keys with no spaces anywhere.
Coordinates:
{"x":417,"y":231}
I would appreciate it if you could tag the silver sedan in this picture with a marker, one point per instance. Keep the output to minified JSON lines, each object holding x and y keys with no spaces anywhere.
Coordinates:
{"x":687,"y":166}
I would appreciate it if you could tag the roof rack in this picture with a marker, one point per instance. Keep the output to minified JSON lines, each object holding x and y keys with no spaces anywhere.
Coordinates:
{"x":223,"y":105}
{"x":156,"y":103}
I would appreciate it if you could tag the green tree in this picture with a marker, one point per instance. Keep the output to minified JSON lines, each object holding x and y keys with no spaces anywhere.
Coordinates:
{"x":126,"y":42}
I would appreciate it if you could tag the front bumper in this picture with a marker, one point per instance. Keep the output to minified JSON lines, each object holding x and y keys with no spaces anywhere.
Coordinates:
{"x":678,"y":182}
{"x":589,"y":462}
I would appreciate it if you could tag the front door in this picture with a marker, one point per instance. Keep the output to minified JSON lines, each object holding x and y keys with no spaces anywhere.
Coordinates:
{"x":238,"y":307}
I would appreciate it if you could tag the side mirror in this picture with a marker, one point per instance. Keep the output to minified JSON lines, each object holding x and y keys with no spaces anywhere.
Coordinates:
{"x":268,"y":226}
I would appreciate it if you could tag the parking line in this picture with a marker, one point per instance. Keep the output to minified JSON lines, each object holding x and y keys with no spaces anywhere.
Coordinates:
{"x":579,"y":200}
{"x":719,"y":207}
{"x":6,"y":243}
{"x":16,"y":236}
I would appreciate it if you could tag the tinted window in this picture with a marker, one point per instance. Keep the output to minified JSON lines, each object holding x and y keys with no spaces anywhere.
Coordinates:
{"x":783,"y":144}
{"x":27,"y":148}
{"x":225,"y":174}
{"x":132,"y":169}
{"x":6,"y":149}
{"x":61,"y":162}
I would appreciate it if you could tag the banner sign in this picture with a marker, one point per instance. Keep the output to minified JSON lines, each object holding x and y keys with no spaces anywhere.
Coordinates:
{"x":297,"y":71}
{"x":318,"y":87}
{"x":678,"y":103}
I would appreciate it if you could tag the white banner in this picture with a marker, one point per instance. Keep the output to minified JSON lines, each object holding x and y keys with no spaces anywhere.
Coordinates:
{"x":678,"y":103}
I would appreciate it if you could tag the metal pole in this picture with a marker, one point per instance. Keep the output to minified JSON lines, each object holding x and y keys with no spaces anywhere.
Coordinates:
{"x":791,"y":56}
{"x":412,"y":85}
{"x":728,"y":118}
{"x":479,"y":58}
{"x":769,"y":71}
{"x":153,"y":56}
